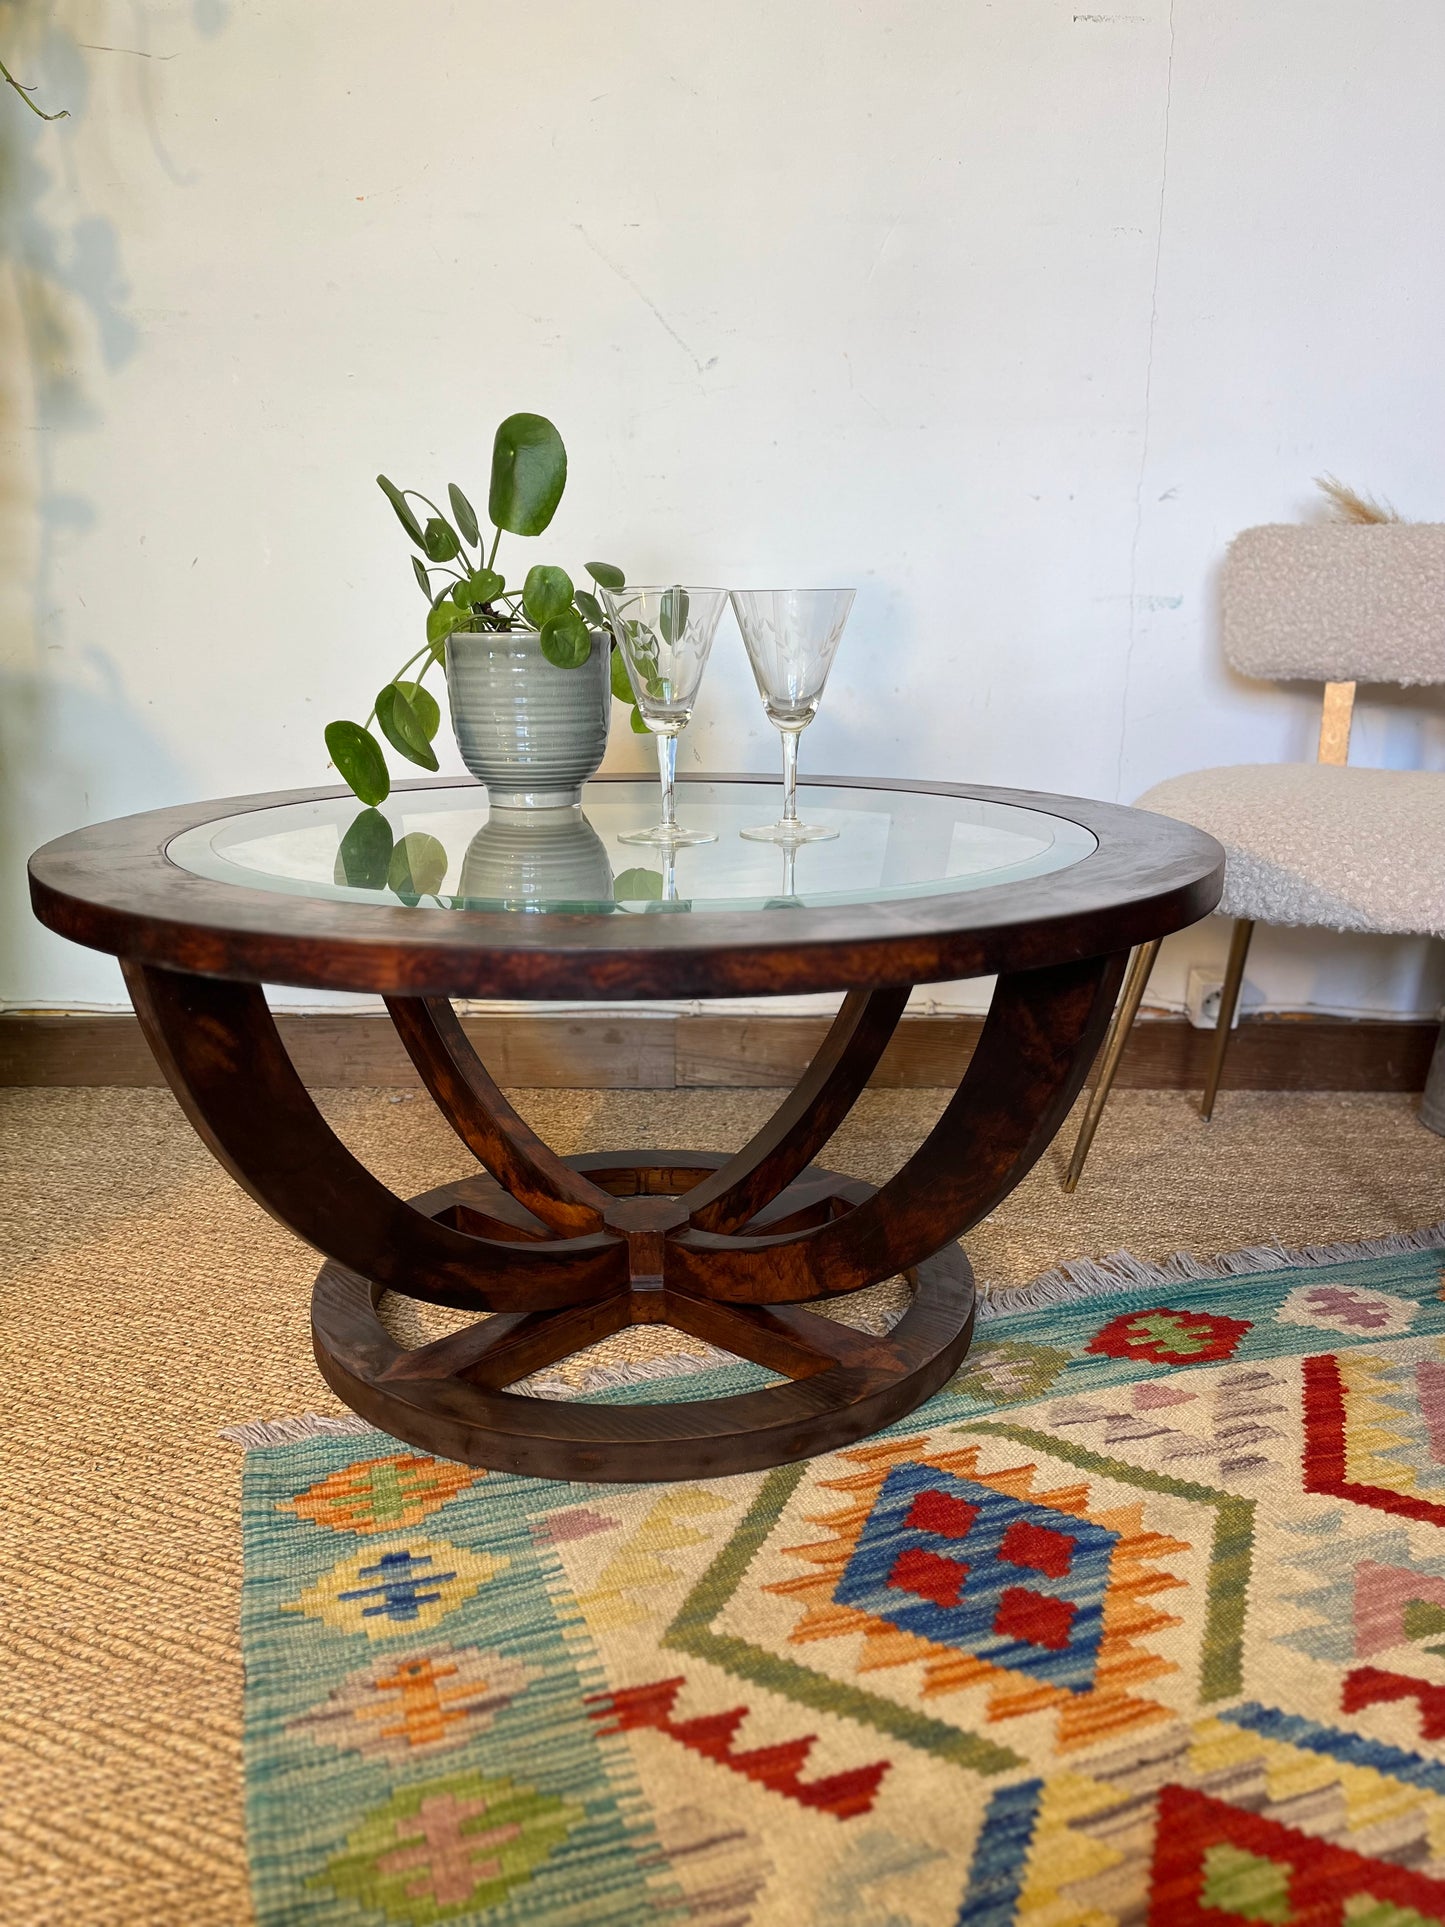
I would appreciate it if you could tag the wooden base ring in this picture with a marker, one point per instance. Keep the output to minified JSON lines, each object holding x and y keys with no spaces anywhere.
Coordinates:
{"x":843,"y":1384}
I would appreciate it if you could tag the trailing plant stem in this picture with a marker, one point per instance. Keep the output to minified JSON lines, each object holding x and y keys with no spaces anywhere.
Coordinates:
{"x":25,"y":93}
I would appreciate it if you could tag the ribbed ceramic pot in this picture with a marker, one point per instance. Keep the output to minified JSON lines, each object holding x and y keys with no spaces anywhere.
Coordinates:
{"x":533,"y":733}
{"x":531,"y":858}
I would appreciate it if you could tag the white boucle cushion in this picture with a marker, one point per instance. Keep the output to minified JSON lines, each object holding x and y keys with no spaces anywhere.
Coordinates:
{"x":1335,"y":602}
{"x":1315,"y":843}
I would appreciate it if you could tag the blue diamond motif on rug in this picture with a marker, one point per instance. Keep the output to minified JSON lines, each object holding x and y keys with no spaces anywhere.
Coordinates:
{"x":1018,"y":1585}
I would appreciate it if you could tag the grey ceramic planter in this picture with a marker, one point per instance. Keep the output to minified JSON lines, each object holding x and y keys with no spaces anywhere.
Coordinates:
{"x":531,"y":732}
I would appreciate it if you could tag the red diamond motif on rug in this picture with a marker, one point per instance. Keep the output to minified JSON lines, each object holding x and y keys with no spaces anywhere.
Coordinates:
{"x":1217,"y":1865}
{"x":1037,"y":1547}
{"x":928,"y":1575}
{"x":939,"y":1512}
{"x":1165,"y":1337}
{"x":1034,"y":1617}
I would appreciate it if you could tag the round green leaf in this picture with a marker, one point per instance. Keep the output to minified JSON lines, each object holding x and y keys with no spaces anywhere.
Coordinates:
{"x":443,"y":617}
{"x":529,"y":473}
{"x":638,"y":886}
{"x":619,"y":678}
{"x":423,"y":579}
{"x":639,"y":727}
{"x":484,"y":585}
{"x":588,"y":607}
{"x":606,"y":575}
{"x":403,"y":511}
{"x":402,"y":727}
{"x":439,"y":539}
{"x":566,"y":640}
{"x":546,"y":593}
{"x":424,"y":707}
{"x":418,"y":866}
{"x":466,"y":515}
{"x":359,"y":761}
{"x":365,"y":852}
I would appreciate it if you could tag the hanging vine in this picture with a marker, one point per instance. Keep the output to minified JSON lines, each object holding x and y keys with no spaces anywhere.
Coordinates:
{"x":25,"y":93}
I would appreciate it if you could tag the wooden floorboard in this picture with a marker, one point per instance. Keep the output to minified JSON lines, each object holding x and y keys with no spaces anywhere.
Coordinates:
{"x":627,"y":1050}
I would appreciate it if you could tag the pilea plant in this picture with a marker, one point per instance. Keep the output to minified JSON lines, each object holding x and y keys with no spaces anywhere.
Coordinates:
{"x":529,"y":473}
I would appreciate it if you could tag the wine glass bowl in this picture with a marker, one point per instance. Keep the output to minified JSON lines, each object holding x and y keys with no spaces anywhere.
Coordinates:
{"x":664,"y":635}
{"x":791,"y":636}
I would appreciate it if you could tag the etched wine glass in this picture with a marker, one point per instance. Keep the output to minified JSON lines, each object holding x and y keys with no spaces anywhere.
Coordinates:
{"x":791,"y":636}
{"x":665,"y":635}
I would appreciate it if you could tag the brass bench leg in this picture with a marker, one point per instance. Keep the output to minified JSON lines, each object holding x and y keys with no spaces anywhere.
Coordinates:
{"x":1130,"y":999}
{"x":1228,"y":1000}
{"x":1432,"y":1105}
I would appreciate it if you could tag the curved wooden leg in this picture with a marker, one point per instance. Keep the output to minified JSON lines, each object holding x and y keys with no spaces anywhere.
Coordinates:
{"x":219,"y":1048}
{"x":799,"y":1128}
{"x":658,"y":1254}
{"x":1043,"y":1029}
{"x":482,"y":1118}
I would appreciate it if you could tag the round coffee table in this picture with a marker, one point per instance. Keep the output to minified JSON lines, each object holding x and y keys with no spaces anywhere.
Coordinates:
{"x":434,"y":898}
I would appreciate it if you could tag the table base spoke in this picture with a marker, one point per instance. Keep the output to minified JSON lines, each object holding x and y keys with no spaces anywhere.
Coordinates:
{"x":450,"y":1396}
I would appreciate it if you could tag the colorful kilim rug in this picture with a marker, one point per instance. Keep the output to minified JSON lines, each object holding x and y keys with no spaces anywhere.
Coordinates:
{"x":1142,"y":1621}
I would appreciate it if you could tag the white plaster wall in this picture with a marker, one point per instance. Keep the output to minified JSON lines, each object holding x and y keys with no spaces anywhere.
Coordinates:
{"x":1011,"y":313}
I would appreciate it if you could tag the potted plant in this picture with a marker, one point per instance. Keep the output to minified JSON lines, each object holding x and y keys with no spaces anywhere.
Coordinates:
{"x":529,"y":670}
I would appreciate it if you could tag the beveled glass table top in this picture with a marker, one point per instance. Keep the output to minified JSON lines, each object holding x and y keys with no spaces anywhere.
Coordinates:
{"x":443,"y":847}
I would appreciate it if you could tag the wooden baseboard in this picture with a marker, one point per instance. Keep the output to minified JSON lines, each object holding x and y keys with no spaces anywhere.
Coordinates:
{"x":659,"y":1051}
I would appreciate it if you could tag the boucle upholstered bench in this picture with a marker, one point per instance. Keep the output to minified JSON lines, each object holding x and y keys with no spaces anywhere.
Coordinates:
{"x":1318,"y":844}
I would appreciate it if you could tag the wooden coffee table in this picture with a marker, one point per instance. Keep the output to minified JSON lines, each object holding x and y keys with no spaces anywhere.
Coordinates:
{"x":432,"y":899}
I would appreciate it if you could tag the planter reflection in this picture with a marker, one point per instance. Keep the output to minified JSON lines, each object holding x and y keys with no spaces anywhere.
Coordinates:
{"x":535,"y":860}
{"x":518,"y":860}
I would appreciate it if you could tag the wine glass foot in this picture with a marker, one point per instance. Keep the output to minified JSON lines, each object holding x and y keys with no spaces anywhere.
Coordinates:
{"x":789,"y":834}
{"x":668,"y":837}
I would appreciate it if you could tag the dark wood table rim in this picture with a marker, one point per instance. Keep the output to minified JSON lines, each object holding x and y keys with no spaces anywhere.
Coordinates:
{"x":112,"y":887}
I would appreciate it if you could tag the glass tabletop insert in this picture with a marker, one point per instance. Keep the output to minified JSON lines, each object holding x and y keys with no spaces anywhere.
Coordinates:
{"x":444,"y":848}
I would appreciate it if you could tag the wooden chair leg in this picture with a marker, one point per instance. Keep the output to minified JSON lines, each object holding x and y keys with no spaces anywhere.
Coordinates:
{"x":1228,"y":1001}
{"x":1128,"y":1009}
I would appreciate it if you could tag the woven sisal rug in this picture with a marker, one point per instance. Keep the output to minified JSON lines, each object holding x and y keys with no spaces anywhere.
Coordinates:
{"x":1141,"y":1621}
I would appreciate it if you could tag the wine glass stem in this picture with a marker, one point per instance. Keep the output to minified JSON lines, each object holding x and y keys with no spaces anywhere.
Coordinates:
{"x":667,"y":769}
{"x":790,"y":775}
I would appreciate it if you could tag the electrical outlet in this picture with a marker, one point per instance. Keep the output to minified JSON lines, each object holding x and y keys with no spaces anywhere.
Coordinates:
{"x":1201,"y":999}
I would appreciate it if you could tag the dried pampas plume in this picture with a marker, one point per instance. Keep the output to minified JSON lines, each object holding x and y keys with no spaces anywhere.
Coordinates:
{"x":1350,"y":506}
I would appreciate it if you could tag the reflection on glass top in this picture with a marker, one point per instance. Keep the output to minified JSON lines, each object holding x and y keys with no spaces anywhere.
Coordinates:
{"x":444,"y":848}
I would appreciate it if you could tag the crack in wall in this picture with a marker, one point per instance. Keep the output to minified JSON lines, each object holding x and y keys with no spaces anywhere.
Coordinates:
{"x":626,"y":279}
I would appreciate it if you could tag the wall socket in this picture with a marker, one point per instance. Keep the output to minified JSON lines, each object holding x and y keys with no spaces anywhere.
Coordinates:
{"x":1202,"y":992}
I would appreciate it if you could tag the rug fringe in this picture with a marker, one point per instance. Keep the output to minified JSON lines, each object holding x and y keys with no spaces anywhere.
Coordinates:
{"x":288,"y":1431}
{"x":1122,"y":1271}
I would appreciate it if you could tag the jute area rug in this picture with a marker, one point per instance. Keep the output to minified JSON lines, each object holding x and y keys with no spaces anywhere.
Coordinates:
{"x":146,"y":1304}
{"x":1142,"y":1620}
